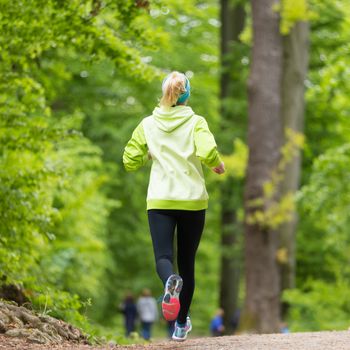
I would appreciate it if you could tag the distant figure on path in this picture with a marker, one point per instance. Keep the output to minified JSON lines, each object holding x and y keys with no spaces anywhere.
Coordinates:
{"x":177,"y":141}
{"x":128,"y":309}
{"x":148,"y":313}
{"x":217,"y":327}
{"x":284,"y":327}
{"x":235,"y":320}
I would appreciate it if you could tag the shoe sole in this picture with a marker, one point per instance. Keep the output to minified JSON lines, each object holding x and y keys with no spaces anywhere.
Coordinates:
{"x":172,"y":291}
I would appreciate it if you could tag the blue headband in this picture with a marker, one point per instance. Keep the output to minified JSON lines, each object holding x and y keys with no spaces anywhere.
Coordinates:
{"x":184,"y":96}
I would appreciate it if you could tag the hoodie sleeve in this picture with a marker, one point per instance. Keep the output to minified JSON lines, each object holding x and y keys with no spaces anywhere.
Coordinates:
{"x":136,"y":151}
{"x":206,"y":148}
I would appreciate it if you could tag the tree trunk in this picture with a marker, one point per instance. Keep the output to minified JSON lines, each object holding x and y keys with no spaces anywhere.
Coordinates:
{"x":232,"y":20}
{"x":231,"y":257}
{"x":265,"y":136}
{"x":295,"y":55}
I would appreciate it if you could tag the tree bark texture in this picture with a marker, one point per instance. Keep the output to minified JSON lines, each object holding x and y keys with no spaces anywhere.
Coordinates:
{"x":265,"y":136}
{"x":232,"y":24}
{"x":295,"y":65}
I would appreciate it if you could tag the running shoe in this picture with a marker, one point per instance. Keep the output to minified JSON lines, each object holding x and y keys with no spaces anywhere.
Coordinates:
{"x":180,"y":333}
{"x":171,"y":303}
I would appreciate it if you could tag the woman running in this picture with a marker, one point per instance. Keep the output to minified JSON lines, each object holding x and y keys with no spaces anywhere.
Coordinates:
{"x":177,"y":141}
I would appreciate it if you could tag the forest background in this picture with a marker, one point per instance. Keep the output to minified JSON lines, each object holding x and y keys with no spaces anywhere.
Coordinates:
{"x":78,"y":76}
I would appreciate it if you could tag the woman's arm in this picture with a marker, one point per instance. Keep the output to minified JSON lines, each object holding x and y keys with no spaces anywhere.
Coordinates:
{"x":136,"y":151}
{"x":206,"y":148}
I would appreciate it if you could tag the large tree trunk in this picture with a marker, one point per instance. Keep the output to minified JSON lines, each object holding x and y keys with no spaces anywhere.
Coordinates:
{"x":232,"y":24}
{"x":296,"y":57}
{"x":265,"y":136}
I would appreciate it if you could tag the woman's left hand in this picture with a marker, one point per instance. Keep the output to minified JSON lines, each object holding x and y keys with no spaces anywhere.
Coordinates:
{"x":219,"y":169}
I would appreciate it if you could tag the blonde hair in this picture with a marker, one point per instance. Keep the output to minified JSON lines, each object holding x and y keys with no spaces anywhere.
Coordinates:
{"x":173,"y":86}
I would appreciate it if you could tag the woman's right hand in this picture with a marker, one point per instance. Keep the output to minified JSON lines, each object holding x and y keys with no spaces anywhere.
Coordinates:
{"x":219,"y":169}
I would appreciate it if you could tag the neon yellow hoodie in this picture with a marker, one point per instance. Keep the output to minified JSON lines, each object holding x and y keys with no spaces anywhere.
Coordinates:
{"x":178,"y":141}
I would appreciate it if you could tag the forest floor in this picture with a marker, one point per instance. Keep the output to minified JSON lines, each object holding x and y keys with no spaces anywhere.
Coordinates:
{"x":336,"y":340}
{"x":23,"y":329}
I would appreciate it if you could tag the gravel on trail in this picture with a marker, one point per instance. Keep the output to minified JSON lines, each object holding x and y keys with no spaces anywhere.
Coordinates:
{"x":336,"y":340}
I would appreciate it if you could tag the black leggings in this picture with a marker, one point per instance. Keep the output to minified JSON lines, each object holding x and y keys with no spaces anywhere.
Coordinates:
{"x":190,"y":224}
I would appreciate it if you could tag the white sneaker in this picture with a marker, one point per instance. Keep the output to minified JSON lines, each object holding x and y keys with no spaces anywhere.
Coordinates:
{"x":180,"y":333}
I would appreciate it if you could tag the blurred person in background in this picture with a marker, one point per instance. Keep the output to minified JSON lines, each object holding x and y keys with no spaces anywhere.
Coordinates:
{"x":217,"y":327}
{"x":128,"y":309}
{"x":148,"y":313}
{"x":235,"y":321}
{"x":284,"y":327}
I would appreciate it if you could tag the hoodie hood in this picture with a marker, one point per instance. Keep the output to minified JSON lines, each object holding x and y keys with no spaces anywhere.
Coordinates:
{"x":170,"y":118}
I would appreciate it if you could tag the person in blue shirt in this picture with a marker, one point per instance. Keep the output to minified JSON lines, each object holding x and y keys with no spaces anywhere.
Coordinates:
{"x":217,"y":327}
{"x":284,"y":328}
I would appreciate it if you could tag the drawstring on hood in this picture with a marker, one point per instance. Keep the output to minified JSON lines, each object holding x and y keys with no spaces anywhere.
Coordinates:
{"x":168,"y":119}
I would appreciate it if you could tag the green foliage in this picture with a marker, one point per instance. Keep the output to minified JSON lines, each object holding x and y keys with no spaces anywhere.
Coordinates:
{"x":93,"y":27}
{"x":323,"y":245}
{"x":27,"y":179}
{"x":236,"y":162}
{"x":293,"y":11}
{"x":319,"y":306}
{"x":79,"y":247}
{"x":76,"y":228}
{"x":62,"y":305}
{"x":327,"y":195}
{"x":323,"y":204}
{"x":53,"y":206}
{"x":327,"y":106}
{"x":322,"y":302}
{"x":272,"y":210}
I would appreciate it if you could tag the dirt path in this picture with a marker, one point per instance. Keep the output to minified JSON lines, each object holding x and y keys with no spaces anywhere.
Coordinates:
{"x":293,"y":341}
